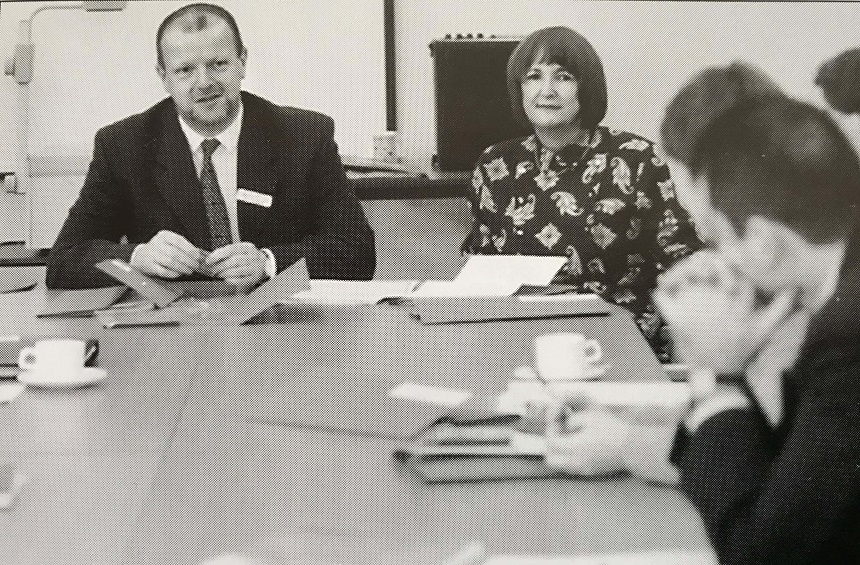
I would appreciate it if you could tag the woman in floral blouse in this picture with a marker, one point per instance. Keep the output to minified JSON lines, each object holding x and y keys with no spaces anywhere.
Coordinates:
{"x":577,"y":188}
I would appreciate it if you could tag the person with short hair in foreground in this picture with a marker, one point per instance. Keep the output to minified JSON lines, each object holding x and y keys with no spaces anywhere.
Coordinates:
{"x":213,"y":180}
{"x":770,"y":458}
{"x":577,"y":188}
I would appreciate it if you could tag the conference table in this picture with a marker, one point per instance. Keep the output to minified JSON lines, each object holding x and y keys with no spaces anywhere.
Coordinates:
{"x":271,"y":440}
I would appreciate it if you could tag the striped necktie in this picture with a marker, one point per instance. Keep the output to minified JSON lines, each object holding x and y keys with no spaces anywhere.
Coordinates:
{"x":216,"y":209}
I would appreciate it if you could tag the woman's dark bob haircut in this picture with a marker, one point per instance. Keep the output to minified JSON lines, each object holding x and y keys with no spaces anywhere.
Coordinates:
{"x":564,"y":47}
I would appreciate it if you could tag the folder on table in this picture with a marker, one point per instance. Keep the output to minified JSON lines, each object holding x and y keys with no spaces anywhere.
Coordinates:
{"x":231,"y":310}
{"x":81,"y":303}
{"x":443,"y":310}
{"x":449,"y":452}
{"x":163,"y":292}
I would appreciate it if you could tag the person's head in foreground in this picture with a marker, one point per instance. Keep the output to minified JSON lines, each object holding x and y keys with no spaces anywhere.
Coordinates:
{"x":701,"y":101}
{"x":775,"y":184}
{"x":774,"y":187}
{"x":838,"y":82}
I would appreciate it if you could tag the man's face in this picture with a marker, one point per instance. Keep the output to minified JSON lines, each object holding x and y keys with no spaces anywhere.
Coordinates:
{"x":203,"y":74}
{"x":752,"y":253}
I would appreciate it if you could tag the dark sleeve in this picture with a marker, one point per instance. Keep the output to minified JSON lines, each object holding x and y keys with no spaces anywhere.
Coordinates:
{"x":93,"y":229}
{"x":341,"y":245}
{"x":484,"y":208}
{"x":767,"y":503}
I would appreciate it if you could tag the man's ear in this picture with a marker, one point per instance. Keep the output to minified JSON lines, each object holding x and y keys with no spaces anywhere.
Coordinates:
{"x":243,"y":57}
{"x":160,"y":70}
{"x":769,"y":243}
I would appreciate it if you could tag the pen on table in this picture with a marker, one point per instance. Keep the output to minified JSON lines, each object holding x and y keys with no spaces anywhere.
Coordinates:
{"x":546,"y":386}
{"x":473,"y":554}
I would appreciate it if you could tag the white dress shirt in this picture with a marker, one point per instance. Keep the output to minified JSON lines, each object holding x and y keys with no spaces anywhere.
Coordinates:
{"x":225,"y":161}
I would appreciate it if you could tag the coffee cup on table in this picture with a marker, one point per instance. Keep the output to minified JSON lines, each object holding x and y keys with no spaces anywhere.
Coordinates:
{"x":55,"y":360}
{"x":566,"y":356}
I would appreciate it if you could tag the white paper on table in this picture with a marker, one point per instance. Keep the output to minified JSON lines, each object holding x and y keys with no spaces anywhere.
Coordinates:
{"x":328,"y":291}
{"x":522,"y":393}
{"x":443,"y":396}
{"x":494,"y":275}
{"x":522,"y":269}
{"x":666,"y":557}
{"x":638,"y":394}
{"x":474,"y":288}
{"x":528,"y":444}
{"x":10,"y":391}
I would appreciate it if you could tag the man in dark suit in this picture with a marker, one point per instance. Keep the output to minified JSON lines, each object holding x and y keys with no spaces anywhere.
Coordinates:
{"x":213,"y":180}
{"x":770,"y":459}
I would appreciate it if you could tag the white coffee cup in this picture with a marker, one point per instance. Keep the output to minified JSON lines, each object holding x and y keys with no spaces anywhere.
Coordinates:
{"x":566,"y":356}
{"x":54,"y":359}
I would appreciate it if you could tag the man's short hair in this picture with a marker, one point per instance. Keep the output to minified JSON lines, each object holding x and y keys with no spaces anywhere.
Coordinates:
{"x":196,"y":17}
{"x":839,"y":79}
{"x":708,"y":95}
{"x":568,"y":49}
{"x":783,"y":160}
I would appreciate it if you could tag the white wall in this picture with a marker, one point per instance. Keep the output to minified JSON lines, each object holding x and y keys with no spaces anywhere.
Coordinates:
{"x":649,"y":49}
{"x":94,"y":68}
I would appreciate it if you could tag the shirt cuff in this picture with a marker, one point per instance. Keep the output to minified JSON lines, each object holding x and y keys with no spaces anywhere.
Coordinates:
{"x":133,"y":253}
{"x":271,"y":265}
{"x":724,"y":399}
{"x":649,"y":449}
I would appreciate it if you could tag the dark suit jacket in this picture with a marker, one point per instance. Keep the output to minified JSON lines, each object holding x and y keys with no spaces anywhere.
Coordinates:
{"x":790,"y":496}
{"x":142,"y":180}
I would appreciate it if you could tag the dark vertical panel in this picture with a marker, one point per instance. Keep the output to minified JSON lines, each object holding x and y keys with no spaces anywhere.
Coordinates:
{"x":390,"y":75}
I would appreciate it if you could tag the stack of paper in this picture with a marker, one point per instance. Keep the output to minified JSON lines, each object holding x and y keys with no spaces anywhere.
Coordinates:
{"x":326,"y":291}
{"x":495,"y":275}
{"x":482,"y":275}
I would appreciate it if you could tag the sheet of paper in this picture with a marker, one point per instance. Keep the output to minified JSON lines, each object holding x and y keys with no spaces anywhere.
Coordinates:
{"x":521,"y":394}
{"x":522,"y":269}
{"x":494,"y":275}
{"x":443,"y":396}
{"x":630,"y":394}
{"x":457,"y":288}
{"x":667,"y":557}
{"x":528,"y":444}
{"x":9,"y":391}
{"x":327,"y":291}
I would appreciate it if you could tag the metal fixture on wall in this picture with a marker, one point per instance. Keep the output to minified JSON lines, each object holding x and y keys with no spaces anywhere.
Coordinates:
{"x":20,"y":67}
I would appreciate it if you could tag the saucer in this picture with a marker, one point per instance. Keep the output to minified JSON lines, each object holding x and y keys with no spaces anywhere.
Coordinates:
{"x":87,"y":376}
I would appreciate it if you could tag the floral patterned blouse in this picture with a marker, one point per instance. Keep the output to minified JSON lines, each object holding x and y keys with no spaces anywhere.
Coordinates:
{"x":610,"y":207}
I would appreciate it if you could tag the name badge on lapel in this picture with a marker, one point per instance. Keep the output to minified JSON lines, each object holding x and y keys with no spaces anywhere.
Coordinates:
{"x":253,"y":197}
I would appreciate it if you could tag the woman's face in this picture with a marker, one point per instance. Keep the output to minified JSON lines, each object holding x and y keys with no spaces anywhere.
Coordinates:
{"x":550,"y":96}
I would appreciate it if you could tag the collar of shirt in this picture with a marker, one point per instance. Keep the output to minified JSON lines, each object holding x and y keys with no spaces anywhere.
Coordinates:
{"x":570,"y":154}
{"x":229,"y":138}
